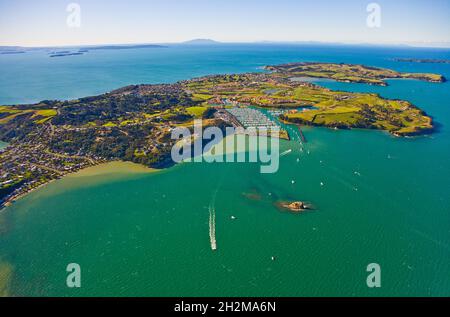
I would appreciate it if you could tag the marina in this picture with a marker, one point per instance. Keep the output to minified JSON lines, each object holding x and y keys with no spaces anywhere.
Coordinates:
{"x":252,"y":118}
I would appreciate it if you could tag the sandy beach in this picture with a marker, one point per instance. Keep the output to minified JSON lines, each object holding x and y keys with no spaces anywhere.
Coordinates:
{"x":91,"y":175}
{"x":116,"y":167}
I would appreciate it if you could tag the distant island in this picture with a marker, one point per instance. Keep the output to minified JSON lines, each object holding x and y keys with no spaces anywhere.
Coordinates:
{"x":423,"y":60}
{"x":52,"y":138}
{"x":121,"y":47}
{"x":73,"y":51}
{"x":201,"y":42}
{"x":84,"y":50}
{"x":11,"y":52}
{"x":65,"y":53}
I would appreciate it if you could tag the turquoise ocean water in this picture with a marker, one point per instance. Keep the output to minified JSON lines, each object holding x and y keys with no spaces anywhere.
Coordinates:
{"x":384,"y":199}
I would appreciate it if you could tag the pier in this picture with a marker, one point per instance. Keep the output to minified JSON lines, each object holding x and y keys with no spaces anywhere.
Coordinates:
{"x":302,"y":136}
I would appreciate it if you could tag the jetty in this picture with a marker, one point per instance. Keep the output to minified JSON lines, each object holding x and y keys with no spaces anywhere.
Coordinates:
{"x":302,"y":136}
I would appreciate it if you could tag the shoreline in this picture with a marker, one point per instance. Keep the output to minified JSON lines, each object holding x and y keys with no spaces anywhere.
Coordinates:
{"x":95,"y":170}
{"x":108,"y":168}
{"x":33,"y":165}
{"x":417,"y":134}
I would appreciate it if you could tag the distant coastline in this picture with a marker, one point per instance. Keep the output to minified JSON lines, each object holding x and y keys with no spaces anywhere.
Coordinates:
{"x":207,"y":41}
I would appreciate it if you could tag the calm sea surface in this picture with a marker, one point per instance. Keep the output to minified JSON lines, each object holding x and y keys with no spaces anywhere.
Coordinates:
{"x":384,"y":200}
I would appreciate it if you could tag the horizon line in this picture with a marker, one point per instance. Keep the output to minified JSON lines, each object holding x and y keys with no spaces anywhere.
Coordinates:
{"x":444,"y":45}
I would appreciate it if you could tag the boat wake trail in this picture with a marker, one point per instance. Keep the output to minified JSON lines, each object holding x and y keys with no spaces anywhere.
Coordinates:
{"x":212,"y":228}
{"x":212,"y":222}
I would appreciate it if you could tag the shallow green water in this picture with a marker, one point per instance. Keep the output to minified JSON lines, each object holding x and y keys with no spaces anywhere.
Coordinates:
{"x":384,"y":200}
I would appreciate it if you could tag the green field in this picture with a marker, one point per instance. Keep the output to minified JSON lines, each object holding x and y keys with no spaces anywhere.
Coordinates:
{"x":330,"y":108}
{"x":196,"y":111}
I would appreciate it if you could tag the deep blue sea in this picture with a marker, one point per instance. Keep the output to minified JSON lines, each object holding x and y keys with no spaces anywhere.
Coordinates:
{"x":34,"y":76}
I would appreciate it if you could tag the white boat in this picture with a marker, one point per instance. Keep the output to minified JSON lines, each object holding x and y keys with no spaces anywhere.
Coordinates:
{"x":286,"y":152}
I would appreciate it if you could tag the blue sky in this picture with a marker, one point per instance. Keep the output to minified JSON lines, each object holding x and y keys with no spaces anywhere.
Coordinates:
{"x":43,"y":22}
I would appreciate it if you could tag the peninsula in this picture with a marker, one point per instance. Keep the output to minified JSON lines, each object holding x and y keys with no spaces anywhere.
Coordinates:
{"x":350,"y":73}
{"x":52,"y":138}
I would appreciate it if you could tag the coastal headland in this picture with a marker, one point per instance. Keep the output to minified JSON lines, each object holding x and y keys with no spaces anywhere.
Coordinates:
{"x":350,"y":73}
{"x":53,"y":138}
